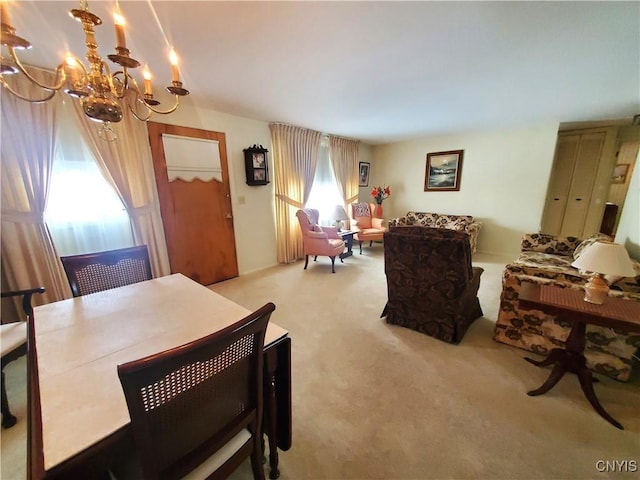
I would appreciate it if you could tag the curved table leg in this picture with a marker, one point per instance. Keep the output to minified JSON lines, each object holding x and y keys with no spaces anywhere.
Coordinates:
{"x":555,"y":355}
{"x":586,"y":382}
{"x":556,"y":374}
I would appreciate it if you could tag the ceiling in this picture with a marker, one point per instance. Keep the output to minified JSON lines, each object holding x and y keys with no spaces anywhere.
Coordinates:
{"x":375,"y":71}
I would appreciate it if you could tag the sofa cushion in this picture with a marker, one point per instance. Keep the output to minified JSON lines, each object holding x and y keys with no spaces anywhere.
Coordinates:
{"x":545,"y":265}
{"x":598,"y":237}
{"x":543,"y":242}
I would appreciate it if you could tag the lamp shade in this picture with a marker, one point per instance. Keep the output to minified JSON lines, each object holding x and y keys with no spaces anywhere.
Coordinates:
{"x":606,"y":258}
{"x":338,"y":213}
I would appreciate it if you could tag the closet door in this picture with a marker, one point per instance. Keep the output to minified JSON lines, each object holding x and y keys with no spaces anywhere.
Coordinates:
{"x":579,"y":182}
{"x":582,"y":182}
{"x":560,"y":183}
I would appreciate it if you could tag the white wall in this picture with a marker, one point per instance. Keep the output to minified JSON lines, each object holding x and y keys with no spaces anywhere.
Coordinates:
{"x":253,"y":212}
{"x":504,"y":180}
{"x":628,"y":232}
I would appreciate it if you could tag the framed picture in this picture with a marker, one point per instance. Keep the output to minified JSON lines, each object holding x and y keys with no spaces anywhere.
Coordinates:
{"x":443,"y":171}
{"x":255,"y":164}
{"x":258,"y":160}
{"x":620,"y":172}
{"x":364,"y":173}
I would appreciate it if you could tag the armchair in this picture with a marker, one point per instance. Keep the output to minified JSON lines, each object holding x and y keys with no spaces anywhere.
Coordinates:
{"x":318,"y":240}
{"x":432,"y":287}
{"x":365,"y":224}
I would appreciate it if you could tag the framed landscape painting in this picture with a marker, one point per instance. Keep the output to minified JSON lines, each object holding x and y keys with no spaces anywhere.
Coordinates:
{"x":443,"y":171}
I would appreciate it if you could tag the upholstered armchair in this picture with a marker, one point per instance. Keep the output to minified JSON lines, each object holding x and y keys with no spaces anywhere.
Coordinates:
{"x":432,"y":287}
{"x":318,"y":240}
{"x":366,"y":225}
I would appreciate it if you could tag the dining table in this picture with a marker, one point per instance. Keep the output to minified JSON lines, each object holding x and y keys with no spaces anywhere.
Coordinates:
{"x":81,"y":341}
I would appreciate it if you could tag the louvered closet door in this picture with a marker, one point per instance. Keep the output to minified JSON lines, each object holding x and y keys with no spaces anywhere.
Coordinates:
{"x":560,"y":183}
{"x":571,"y":203}
{"x":582,"y":183}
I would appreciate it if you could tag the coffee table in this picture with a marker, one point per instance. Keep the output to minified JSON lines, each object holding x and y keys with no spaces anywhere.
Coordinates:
{"x":568,"y":305}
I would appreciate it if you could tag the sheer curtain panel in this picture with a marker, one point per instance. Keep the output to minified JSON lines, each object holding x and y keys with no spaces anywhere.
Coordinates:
{"x":84,"y":213}
{"x":295,"y":157}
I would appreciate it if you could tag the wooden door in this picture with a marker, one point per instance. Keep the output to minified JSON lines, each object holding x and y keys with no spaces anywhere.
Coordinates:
{"x":197,"y":215}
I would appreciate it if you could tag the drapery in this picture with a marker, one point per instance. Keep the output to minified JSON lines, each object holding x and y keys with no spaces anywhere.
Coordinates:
{"x":29,"y":258}
{"x":127,"y":164}
{"x":344,"y":159}
{"x":295,"y":157}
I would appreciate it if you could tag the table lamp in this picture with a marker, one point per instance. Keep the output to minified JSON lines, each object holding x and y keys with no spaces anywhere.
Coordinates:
{"x":339,"y":215}
{"x":603,"y":258}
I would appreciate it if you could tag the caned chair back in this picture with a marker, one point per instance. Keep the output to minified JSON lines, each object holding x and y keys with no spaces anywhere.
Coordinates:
{"x":188,"y":402}
{"x":95,"y":272}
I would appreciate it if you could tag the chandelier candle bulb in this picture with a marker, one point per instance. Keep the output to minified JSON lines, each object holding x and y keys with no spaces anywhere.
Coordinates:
{"x":173,"y":58}
{"x":147,"y":81}
{"x":119,"y":24}
{"x":74,"y":76}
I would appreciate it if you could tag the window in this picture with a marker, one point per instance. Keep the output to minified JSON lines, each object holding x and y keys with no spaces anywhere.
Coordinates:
{"x":84,"y":213}
{"x":325,"y":194}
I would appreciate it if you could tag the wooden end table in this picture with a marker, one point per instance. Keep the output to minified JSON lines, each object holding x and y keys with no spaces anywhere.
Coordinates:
{"x":347,"y":236}
{"x":568,"y":304}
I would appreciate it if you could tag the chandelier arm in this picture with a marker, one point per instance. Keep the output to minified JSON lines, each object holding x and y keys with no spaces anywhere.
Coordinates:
{"x":26,"y":99}
{"x":59,"y":78}
{"x":143,"y":118}
{"x":165,"y":112}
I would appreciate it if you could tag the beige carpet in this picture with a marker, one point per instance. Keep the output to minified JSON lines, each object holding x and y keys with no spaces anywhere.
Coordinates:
{"x":371,"y":400}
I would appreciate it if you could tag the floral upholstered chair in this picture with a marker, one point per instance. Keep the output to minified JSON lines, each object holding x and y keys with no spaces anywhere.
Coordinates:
{"x":431,"y":285}
{"x":366,"y":225}
{"x":318,"y":240}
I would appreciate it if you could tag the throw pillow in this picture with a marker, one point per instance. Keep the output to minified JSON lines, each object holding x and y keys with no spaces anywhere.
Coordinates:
{"x":598,"y":237}
{"x":361,"y":210}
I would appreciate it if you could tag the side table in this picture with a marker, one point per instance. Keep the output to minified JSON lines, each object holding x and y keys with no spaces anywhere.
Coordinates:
{"x":347,"y":236}
{"x":568,"y":305}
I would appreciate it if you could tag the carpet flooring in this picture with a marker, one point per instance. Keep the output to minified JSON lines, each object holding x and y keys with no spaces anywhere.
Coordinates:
{"x":378,"y":401}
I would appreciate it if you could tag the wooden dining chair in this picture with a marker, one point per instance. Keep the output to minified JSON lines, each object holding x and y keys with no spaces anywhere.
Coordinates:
{"x":13,"y":342}
{"x":196,"y":410}
{"x":95,"y":272}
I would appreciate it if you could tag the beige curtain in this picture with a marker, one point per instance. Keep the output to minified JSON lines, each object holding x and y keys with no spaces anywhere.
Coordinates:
{"x":344,"y":159}
{"x":295,"y":157}
{"x":29,"y":258}
{"x":127,"y":164}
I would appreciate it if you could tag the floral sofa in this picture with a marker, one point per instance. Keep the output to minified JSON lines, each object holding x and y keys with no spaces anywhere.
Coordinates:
{"x":546,"y":259}
{"x":463,"y":223}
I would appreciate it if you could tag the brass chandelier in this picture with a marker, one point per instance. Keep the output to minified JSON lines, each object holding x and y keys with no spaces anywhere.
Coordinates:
{"x":102,"y":94}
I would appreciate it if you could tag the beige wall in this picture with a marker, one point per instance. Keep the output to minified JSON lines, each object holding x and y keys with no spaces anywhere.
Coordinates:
{"x":504,"y":180}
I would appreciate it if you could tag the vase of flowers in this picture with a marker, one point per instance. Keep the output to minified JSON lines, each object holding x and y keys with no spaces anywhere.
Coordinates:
{"x":380,"y":194}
